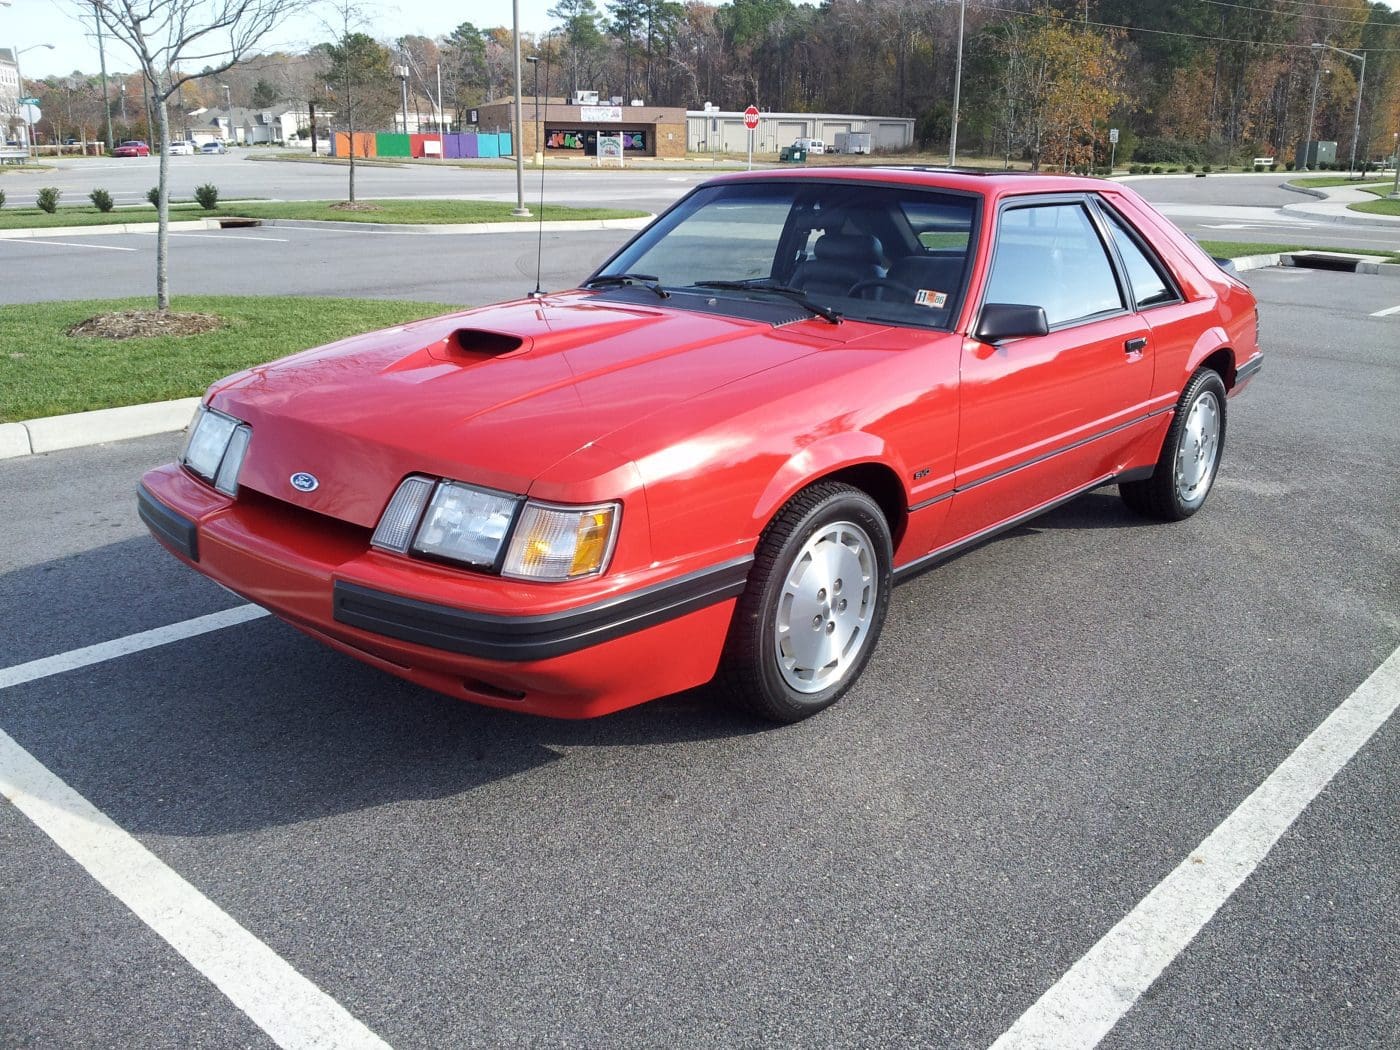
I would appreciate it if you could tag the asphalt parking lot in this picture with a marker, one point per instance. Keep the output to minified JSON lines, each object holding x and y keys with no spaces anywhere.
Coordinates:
{"x":1054,"y":724}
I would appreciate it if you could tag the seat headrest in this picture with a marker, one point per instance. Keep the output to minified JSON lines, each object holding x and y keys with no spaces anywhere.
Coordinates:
{"x":848,"y":248}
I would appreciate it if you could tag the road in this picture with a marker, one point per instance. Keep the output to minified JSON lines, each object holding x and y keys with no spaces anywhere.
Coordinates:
{"x":1052,"y":723}
{"x":472,"y":270}
{"x":238,"y":176}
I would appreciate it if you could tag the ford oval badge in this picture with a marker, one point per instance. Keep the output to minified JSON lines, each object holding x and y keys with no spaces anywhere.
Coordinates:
{"x":304,"y":482}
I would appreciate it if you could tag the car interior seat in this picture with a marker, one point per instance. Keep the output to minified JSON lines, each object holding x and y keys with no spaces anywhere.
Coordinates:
{"x":838,"y":261}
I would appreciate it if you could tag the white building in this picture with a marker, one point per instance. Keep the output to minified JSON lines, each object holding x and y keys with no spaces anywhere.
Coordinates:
{"x":723,"y":131}
{"x":9,"y":89}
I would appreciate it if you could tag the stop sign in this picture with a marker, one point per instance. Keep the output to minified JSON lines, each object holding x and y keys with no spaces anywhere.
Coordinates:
{"x":751,"y":117}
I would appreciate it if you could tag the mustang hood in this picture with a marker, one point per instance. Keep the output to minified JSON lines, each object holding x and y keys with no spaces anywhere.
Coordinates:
{"x":493,"y":396}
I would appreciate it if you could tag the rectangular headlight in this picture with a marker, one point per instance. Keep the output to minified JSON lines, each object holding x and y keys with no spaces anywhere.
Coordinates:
{"x":560,"y":543}
{"x":466,"y":524}
{"x":215,"y":448}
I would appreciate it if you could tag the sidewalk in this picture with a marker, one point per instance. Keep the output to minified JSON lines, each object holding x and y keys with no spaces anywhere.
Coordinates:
{"x":1331,"y":205}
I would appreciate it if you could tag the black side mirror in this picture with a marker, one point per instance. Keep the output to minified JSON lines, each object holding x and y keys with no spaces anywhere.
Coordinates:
{"x":1002,"y":321}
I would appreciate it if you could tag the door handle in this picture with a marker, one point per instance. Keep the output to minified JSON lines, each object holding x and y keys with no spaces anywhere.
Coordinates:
{"x":1136,"y":345}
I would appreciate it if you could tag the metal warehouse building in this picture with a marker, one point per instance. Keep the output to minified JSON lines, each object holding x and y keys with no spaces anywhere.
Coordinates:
{"x":723,"y":131}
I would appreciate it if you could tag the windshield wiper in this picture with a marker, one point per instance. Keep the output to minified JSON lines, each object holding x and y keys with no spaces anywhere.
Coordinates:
{"x":797,"y":295}
{"x":648,"y":281}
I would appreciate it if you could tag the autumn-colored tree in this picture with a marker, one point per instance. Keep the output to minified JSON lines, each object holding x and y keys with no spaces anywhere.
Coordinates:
{"x":1065,"y":80}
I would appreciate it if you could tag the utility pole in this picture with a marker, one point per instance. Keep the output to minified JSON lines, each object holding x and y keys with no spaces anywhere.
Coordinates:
{"x":957,"y":88}
{"x":520,"y":211}
{"x":102,"y":61}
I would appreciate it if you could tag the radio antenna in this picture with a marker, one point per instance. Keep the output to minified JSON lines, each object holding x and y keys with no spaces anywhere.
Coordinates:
{"x":542,"y":125}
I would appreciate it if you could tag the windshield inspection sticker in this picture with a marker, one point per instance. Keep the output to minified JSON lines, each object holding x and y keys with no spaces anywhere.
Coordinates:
{"x":925,"y":297}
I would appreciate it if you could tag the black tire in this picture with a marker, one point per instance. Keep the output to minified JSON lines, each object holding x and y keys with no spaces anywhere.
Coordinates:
{"x":847,"y":531}
{"x":1166,"y":495}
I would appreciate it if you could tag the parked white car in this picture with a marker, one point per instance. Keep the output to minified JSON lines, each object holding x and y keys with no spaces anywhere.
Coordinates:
{"x":813,"y":147}
{"x":183,"y":148}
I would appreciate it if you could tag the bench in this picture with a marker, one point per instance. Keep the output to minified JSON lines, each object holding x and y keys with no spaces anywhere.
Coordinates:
{"x":1263,"y":162}
{"x":18,"y":154}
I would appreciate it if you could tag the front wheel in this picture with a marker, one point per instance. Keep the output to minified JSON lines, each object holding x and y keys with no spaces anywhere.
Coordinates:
{"x":815,"y":602}
{"x":1190,"y":454}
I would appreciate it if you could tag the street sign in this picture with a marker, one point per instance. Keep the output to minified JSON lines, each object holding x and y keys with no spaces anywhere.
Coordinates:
{"x":1113,"y":135}
{"x":30,"y":113}
{"x":751,"y":117}
{"x":29,"y":102}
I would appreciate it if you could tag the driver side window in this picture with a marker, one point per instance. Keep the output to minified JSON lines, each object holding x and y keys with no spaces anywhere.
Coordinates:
{"x":1050,"y":255}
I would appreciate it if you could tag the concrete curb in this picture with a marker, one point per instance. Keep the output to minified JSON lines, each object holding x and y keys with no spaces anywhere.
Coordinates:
{"x":420,"y":229}
{"x":114,"y":227}
{"x":1255,"y":262}
{"x":431,"y":229}
{"x":80,"y":429}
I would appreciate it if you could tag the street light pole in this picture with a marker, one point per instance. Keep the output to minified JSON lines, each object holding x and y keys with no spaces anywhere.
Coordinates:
{"x":957,"y":88}
{"x":538,"y":151}
{"x":28,"y":124}
{"x":1312,"y":113}
{"x":520,"y":211}
{"x":228,"y":105}
{"x":1360,"y":91}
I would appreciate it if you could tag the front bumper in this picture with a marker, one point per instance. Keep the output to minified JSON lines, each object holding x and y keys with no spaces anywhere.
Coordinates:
{"x":574,"y":651}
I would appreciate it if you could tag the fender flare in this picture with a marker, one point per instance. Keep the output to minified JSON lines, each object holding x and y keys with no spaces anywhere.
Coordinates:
{"x":824,"y":457}
{"x":1208,"y":343}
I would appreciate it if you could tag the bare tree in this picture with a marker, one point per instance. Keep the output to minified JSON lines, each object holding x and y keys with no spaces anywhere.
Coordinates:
{"x":162,"y":34}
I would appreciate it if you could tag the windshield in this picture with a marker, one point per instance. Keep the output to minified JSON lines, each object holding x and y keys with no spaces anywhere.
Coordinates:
{"x":897,"y":254}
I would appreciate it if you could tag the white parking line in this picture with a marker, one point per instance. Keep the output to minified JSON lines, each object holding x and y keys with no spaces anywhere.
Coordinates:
{"x":292,"y":1010}
{"x":279,"y":1000}
{"x":71,"y":244}
{"x":1387,"y":311}
{"x":132,"y":643}
{"x":1084,"y":1005}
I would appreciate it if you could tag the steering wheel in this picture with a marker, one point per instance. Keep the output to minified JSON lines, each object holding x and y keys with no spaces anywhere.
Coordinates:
{"x":878,"y":286}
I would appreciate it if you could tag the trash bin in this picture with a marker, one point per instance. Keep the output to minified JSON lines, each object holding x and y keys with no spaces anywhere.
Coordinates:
{"x":792,"y":155}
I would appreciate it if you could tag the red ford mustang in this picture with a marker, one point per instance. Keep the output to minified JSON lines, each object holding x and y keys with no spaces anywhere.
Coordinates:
{"x":716,"y":458}
{"x":133,"y":148}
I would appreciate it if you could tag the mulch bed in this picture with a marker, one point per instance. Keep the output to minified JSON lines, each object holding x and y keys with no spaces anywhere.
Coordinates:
{"x":131,"y":324}
{"x":356,"y":206}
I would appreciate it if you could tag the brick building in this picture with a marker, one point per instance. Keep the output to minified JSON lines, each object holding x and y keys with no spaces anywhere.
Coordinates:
{"x":569,"y":130}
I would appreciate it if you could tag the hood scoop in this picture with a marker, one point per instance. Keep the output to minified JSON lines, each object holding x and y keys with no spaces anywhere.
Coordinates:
{"x":470,"y":345}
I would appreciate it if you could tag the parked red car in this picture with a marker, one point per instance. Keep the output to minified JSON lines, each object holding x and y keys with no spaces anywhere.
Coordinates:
{"x":133,"y":148}
{"x":715,"y":458}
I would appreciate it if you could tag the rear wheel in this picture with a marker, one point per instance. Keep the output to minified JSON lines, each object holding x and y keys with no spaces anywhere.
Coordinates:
{"x":1190,"y":456}
{"x":815,"y":602}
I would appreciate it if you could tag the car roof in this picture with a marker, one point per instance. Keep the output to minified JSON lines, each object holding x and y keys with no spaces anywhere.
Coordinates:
{"x":987,"y":183}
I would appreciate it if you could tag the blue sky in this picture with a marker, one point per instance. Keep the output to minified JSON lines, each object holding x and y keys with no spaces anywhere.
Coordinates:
{"x":58,"y":22}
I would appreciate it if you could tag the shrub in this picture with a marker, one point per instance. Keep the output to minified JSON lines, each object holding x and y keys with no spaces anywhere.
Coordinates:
{"x":153,"y":195}
{"x":101,"y":200}
{"x":207,"y":195}
{"x":1190,"y":167}
{"x":1157,"y":169}
{"x":1289,"y":165}
{"x":48,"y":199}
{"x":1205,"y":169}
{"x":1167,"y":151}
{"x":1172,"y":171}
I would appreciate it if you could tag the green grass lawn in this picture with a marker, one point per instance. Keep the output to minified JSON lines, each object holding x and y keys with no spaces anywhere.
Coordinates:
{"x":1319,"y":182}
{"x":1379,"y":207}
{"x":45,"y":372}
{"x":1234,"y":249}
{"x":390,"y":211}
